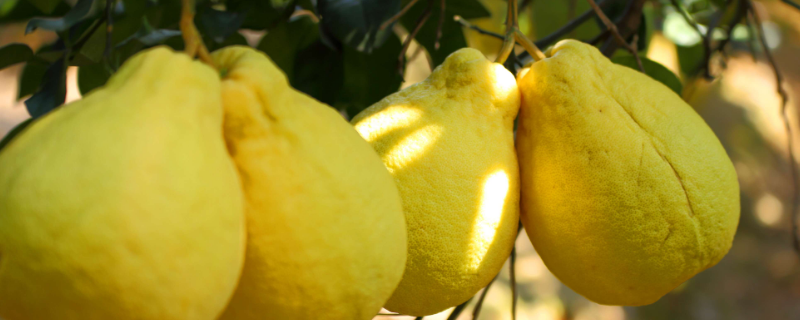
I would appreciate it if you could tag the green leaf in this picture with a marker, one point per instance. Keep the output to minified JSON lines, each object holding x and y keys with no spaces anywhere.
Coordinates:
{"x":261,"y":14}
{"x":452,"y":33}
{"x":53,"y":91}
{"x":369,"y":77}
{"x":31,"y":78}
{"x":549,"y":16}
{"x":653,"y":69}
{"x":46,"y":6}
{"x":319,"y":72}
{"x":92,"y":76}
{"x":24,"y":11}
{"x":690,"y":59}
{"x":283,"y":42}
{"x":14,"y":132}
{"x":467,"y":9}
{"x":356,"y":23}
{"x":14,"y":53}
{"x":219,"y":25}
{"x":6,"y":6}
{"x":79,"y":12}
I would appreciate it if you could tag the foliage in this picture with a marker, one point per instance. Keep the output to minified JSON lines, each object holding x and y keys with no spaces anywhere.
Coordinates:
{"x":346,"y":53}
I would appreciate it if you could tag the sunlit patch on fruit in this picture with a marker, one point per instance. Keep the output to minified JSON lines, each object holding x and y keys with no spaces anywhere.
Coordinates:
{"x":493,"y":200}
{"x":387,"y":121}
{"x":412,"y":147}
{"x":769,"y":209}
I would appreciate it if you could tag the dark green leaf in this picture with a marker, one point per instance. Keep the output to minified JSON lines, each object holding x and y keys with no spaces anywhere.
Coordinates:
{"x":46,"y":6}
{"x":467,"y":9}
{"x":219,"y":25}
{"x":14,"y":132}
{"x":452,"y":33}
{"x":6,"y":6}
{"x":356,"y":23}
{"x":14,"y":53}
{"x":31,"y":78}
{"x":653,"y":69}
{"x":283,"y":42}
{"x":262,"y":14}
{"x":319,"y":72}
{"x":690,"y":59}
{"x":79,"y":12}
{"x":53,"y":91}
{"x":92,"y":76}
{"x":24,"y":11}
{"x":549,"y":16}
{"x":368,"y":77}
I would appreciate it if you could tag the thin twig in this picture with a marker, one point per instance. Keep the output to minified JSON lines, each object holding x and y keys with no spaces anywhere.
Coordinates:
{"x":786,"y":125}
{"x":569,"y":27}
{"x":478,"y":305}
{"x":109,"y":28}
{"x":686,"y":16}
{"x":752,"y":40}
{"x":466,"y":24}
{"x":508,"y":41}
{"x":458,"y":310}
{"x":394,"y":18}
{"x":441,"y":23}
{"x":600,"y":37}
{"x":792,"y":3}
{"x":614,"y":31}
{"x":513,"y":282}
{"x":420,"y":22}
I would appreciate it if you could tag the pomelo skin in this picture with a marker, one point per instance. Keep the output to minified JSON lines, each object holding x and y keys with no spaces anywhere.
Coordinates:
{"x":125,"y":204}
{"x":449,"y":143}
{"x":626,"y":192}
{"x":326,"y":237}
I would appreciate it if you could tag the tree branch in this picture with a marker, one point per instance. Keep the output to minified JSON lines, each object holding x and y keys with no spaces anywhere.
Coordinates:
{"x":396,"y":17}
{"x":441,"y":23}
{"x":615,"y":32}
{"x":789,"y":138}
{"x":467,"y":24}
{"x":407,"y":42}
{"x":792,"y":3}
{"x":458,"y":309}
{"x":478,"y":305}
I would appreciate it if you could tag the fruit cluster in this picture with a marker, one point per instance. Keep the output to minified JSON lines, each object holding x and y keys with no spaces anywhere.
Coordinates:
{"x":186,"y":193}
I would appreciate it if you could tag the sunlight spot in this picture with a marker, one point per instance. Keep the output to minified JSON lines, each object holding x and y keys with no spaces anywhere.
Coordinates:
{"x":387,"y":120}
{"x":484,"y":230}
{"x":411,"y":147}
{"x":769,"y":209}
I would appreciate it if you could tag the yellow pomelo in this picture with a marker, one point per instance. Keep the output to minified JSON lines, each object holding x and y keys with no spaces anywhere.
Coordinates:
{"x":626,"y":192}
{"x":448,"y":141}
{"x":326,"y":234}
{"x":124,"y":205}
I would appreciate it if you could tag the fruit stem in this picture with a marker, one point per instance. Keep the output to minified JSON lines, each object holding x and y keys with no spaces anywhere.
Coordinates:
{"x":194,"y":45}
{"x":511,"y":24}
{"x":529,"y":46}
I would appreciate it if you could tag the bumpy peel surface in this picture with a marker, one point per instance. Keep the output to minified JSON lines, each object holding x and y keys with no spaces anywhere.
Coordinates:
{"x":448,"y":142}
{"x":326,"y":233}
{"x":626,"y":192}
{"x":124,"y":205}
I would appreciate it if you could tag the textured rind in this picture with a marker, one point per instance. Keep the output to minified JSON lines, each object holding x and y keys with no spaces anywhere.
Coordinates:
{"x":449,"y":144}
{"x":124,"y":205}
{"x":326,"y":233}
{"x":626,"y":192}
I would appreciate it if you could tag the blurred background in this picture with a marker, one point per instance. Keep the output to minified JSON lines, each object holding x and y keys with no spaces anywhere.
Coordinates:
{"x":760,"y":276}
